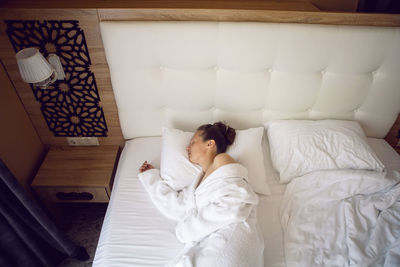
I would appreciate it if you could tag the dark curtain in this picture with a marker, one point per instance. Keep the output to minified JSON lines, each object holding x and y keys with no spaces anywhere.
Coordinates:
{"x":379,"y":6}
{"x":27,"y":236}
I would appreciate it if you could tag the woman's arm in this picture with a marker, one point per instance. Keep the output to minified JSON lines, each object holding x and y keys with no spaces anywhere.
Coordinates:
{"x":169,"y":202}
{"x":234,"y":205}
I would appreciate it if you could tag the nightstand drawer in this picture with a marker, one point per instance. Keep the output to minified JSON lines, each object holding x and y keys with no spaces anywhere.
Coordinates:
{"x":73,"y":194}
{"x":77,"y":174}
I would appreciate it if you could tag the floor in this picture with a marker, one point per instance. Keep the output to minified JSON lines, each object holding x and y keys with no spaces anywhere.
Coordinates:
{"x":82,"y":226}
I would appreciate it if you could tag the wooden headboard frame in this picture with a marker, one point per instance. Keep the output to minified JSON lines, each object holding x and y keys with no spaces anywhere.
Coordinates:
{"x":331,"y":18}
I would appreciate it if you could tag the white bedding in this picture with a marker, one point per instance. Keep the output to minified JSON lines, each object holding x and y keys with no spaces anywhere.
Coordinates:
{"x":342,"y":218}
{"x":318,"y":145}
{"x":134,"y":233}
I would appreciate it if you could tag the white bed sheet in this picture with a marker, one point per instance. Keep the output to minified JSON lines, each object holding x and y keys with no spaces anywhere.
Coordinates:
{"x":134,"y":233}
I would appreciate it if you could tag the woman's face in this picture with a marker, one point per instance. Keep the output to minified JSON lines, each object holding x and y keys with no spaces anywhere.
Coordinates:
{"x":197,"y":148}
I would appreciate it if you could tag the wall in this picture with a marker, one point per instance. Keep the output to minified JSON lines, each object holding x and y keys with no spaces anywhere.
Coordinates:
{"x":393,"y":137}
{"x":20,"y":146}
{"x":336,"y":5}
{"x":326,"y":5}
{"x":89,"y":22}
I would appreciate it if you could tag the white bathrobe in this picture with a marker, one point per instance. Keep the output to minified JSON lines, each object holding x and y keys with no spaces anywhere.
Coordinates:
{"x":217,"y":221}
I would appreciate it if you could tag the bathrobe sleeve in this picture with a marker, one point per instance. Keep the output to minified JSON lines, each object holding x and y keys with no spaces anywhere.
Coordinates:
{"x":169,"y":202}
{"x":232,"y":204}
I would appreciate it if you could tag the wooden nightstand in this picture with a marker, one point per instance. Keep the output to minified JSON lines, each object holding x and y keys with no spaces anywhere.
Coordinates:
{"x":77,"y":174}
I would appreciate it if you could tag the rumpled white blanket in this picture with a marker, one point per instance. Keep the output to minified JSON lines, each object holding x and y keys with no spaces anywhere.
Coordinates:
{"x":342,"y":218}
{"x":217,"y":221}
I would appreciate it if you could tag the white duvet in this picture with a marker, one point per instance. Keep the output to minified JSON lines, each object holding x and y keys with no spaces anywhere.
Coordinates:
{"x":342,"y":218}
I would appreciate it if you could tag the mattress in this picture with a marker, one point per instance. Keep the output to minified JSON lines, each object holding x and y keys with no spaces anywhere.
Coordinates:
{"x":134,"y":233}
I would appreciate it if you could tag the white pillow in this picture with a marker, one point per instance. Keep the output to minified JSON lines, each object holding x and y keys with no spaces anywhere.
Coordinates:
{"x":178,"y":171}
{"x":270,"y":172}
{"x":175,"y":167}
{"x":301,"y":146}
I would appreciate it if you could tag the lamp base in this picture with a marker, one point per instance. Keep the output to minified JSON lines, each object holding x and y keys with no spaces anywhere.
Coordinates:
{"x":44,"y":84}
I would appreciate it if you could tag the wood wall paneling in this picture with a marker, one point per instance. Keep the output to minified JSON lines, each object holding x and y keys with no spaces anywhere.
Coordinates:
{"x":208,"y":4}
{"x":299,"y":5}
{"x":337,"y":5}
{"x":20,"y":146}
{"x":393,"y":137}
{"x":88,"y":21}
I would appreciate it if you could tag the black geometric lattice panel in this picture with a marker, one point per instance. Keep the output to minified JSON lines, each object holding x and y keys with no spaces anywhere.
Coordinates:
{"x":71,"y":107}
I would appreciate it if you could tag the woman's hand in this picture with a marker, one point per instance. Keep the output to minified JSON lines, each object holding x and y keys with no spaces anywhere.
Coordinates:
{"x":145,"y":166}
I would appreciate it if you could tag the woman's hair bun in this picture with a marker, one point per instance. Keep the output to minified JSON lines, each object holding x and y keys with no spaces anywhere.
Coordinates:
{"x":228,"y":132}
{"x":222,"y":134}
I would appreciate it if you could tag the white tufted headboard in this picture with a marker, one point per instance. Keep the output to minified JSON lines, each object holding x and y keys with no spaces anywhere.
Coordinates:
{"x":183,"y":74}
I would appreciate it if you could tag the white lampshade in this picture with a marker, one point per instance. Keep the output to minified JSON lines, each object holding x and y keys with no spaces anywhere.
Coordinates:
{"x":33,"y":66}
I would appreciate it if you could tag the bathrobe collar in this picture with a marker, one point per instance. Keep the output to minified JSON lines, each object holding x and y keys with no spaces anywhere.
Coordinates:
{"x":230,"y":170}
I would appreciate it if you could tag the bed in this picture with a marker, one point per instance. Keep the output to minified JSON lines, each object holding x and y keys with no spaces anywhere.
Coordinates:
{"x":135,"y":233}
{"x":246,"y":74}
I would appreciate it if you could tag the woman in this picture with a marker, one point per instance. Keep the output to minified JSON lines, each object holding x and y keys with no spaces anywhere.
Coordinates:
{"x":216,"y":214}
